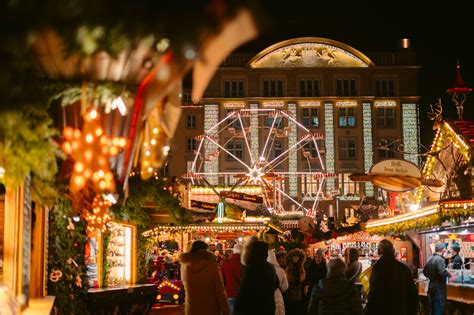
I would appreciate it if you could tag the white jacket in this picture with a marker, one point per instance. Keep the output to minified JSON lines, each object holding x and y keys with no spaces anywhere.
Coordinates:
{"x":279,"y":302}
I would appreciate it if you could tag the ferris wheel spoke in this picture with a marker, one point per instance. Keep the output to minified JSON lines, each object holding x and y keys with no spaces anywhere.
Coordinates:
{"x":316,"y":200}
{"x":228,"y":152}
{"x":294,"y":121}
{"x":269,"y":135}
{"x":287,"y":150}
{"x":246,"y":139}
{"x":319,"y":154}
{"x":285,"y":194}
{"x":197,"y":155}
{"x":220,"y":123}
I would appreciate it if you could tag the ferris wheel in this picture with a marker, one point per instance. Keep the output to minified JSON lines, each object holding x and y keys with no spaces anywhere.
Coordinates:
{"x":267,"y":148}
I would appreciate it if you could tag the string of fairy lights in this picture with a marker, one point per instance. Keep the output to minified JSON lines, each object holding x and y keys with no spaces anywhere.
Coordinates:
{"x":368,"y":151}
{"x":292,"y":155}
{"x":211,"y":118}
{"x":329,"y":130}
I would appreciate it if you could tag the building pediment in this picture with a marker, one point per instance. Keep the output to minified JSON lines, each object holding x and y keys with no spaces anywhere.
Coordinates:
{"x":310,"y":52}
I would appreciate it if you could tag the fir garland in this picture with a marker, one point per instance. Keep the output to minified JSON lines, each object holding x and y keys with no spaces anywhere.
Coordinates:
{"x":67,"y":279}
{"x":454,"y":215}
{"x":140,"y":193}
{"x":26,"y":147}
{"x":105,"y":261}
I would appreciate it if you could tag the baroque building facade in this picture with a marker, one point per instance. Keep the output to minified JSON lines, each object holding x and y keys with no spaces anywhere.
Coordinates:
{"x":365,"y":107}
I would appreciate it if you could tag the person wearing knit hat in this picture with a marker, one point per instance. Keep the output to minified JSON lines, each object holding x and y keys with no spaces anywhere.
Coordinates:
{"x":435,"y":270}
{"x":456,"y":258}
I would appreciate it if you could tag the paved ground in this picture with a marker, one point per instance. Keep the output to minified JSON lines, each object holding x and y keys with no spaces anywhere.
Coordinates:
{"x":167,"y":309}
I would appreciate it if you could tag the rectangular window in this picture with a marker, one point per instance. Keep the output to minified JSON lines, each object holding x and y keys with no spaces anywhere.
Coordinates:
{"x":346,"y":87}
{"x":309,"y":88}
{"x":385,"y":87}
{"x":385,"y":117}
{"x":191,"y":145}
{"x":233,"y":88}
{"x":347,"y":186}
{"x":387,"y":148}
{"x":234,"y":121}
{"x":272,"y":88}
{"x":277,"y":147}
{"x":310,"y":117}
{"x":347,"y":149}
{"x":269,"y":121}
{"x":192,"y":121}
{"x":310,"y":186}
{"x":235,"y":147}
{"x":347,"y":117}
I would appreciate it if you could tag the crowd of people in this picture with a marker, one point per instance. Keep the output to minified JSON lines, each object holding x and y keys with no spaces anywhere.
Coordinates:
{"x":254,"y":279}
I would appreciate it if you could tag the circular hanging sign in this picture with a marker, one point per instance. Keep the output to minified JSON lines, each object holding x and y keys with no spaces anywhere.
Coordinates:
{"x":395,"y":175}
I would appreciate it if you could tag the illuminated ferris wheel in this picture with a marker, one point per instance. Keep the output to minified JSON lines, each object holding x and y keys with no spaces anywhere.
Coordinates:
{"x":265,"y":148}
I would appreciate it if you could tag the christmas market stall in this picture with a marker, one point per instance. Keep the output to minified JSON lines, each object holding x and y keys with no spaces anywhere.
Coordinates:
{"x":85,"y":103}
{"x":443,"y":213}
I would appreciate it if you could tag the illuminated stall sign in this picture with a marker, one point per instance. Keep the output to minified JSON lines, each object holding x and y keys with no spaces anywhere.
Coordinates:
{"x":203,"y":205}
{"x":241,"y":196}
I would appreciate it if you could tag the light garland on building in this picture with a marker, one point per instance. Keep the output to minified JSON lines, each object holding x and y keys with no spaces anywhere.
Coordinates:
{"x":411,"y":138}
{"x":292,"y":155}
{"x":426,"y":211}
{"x":247,"y":189}
{"x":329,"y":130}
{"x":368,"y":146}
{"x":349,"y":198}
{"x":254,"y":130}
{"x":211,"y":118}
{"x":206,"y":228}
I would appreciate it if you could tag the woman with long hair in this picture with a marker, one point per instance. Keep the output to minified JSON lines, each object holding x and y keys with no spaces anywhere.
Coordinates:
{"x":259,"y":281}
{"x":294,"y":296}
{"x":354,"y":267}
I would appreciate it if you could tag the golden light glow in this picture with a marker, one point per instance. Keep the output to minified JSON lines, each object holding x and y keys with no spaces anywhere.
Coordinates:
{"x":426,"y":211}
{"x":91,"y":151}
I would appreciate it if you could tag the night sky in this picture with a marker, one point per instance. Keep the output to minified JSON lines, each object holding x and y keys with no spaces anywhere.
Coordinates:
{"x":440,"y":34}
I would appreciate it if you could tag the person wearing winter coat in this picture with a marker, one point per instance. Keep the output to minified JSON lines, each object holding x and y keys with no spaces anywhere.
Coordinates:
{"x":294,"y":296}
{"x":231,"y":273}
{"x":203,"y":285}
{"x":354,"y":267}
{"x":282,"y":280}
{"x":259,"y":282}
{"x":335,"y":295}
{"x":392,"y":289}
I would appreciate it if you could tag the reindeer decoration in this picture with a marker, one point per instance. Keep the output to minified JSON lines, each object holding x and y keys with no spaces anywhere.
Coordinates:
{"x":436,"y":114}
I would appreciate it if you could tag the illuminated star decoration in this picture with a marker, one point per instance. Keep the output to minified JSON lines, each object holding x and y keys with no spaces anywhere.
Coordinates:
{"x":91,"y":150}
{"x":100,"y":214}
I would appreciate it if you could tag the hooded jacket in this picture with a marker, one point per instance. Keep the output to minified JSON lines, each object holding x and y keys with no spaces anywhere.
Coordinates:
{"x":204,"y":288}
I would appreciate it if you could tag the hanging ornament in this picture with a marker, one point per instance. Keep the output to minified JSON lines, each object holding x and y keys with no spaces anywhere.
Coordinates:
{"x":55,"y":275}
{"x":100,"y":214}
{"x":70,"y":225}
{"x":91,"y":150}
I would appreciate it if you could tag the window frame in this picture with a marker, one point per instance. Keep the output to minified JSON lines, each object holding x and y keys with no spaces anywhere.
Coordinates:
{"x":347,"y":148}
{"x":192,"y":125}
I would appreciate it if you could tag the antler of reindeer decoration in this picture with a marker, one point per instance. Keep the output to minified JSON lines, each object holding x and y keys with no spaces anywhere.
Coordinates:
{"x":436,"y":114}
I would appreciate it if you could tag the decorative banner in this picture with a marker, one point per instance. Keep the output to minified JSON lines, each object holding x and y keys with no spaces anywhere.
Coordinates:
{"x":241,"y":196}
{"x":203,"y":205}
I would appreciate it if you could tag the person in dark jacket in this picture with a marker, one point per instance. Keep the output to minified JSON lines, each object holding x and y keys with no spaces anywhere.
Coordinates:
{"x":231,"y":273}
{"x":294,"y":295}
{"x":435,"y":270}
{"x":259,"y":282}
{"x":354,"y":267}
{"x":315,"y":269}
{"x":456,"y":259}
{"x":335,"y":295}
{"x":392,"y":290}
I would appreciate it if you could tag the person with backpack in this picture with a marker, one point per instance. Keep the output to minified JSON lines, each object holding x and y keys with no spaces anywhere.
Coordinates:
{"x":335,"y":295}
